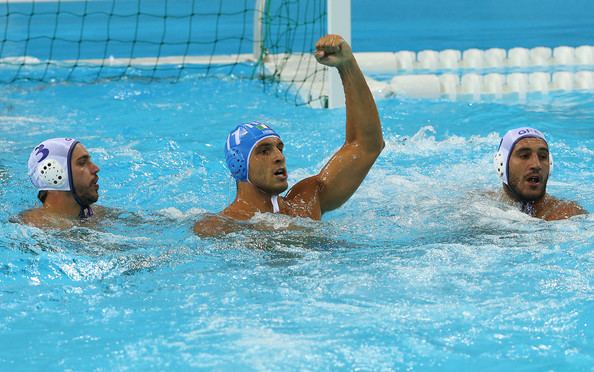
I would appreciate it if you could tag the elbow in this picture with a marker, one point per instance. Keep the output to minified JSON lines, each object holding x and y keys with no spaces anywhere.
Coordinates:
{"x":378,"y":148}
{"x":374,"y":150}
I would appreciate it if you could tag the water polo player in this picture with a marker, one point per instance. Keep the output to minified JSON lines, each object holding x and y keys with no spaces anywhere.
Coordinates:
{"x":255,"y":158}
{"x":67,"y":182}
{"x":524,"y":164}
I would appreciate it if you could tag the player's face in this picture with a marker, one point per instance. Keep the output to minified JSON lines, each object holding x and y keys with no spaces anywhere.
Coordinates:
{"x":84,"y":175}
{"x":528,"y":168}
{"x":267,"y":168}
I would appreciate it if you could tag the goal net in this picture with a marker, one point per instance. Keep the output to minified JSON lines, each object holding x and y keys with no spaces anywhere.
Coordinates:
{"x":94,"y":40}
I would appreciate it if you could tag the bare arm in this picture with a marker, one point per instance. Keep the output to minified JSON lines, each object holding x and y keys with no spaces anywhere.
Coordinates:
{"x":214,"y":225}
{"x":345,"y":171}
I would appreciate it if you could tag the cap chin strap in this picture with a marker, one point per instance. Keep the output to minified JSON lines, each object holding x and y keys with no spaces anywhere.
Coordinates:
{"x":526,"y":206}
{"x":274,"y":201}
{"x":85,"y":210}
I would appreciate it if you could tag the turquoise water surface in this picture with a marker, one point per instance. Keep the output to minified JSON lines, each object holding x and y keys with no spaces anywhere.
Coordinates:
{"x":417,"y":271}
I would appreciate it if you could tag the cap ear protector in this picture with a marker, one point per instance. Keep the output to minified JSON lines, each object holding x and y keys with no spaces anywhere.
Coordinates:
{"x":499,"y":164}
{"x":51,"y":172}
{"x":236,"y":163}
{"x":506,"y":146}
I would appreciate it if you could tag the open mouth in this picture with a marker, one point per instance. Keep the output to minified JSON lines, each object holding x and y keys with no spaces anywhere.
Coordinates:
{"x":281,"y":172}
{"x":533,"y":179}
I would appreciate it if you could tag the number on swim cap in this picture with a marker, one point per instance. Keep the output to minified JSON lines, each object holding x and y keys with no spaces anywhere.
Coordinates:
{"x":43,"y":151}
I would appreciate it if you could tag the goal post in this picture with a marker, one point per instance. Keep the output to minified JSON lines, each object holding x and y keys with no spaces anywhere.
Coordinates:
{"x":339,"y":22}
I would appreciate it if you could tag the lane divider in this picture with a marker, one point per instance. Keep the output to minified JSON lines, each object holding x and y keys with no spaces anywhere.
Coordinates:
{"x":451,"y":59}
{"x":476,"y":86}
{"x":459,"y":72}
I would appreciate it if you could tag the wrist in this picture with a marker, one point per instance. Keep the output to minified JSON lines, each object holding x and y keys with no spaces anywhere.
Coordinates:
{"x":348,"y":66}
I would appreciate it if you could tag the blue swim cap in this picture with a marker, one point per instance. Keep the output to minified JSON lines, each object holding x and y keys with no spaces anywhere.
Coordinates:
{"x":239,"y":145}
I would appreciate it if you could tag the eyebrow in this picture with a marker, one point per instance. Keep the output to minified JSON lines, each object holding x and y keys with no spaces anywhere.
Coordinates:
{"x":83,"y":157}
{"x":265,"y":145}
{"x":524,"y":149}
{"x":269,"y":145}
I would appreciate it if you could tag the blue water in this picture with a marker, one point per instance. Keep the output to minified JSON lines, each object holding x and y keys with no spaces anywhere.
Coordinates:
{"x":417,"y":271}
{"x":463,"y":24}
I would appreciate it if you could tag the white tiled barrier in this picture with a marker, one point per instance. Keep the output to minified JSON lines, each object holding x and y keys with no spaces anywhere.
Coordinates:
{"x":540,"y":56}
{"x":518,"y":57}
{"x":450,"y":58}
{"x":428,"y":59}
{"x":495,"y":57}
{"x":539,"y":82}
{"x":473,"y":58}
{"x":406,"y":60}
{"x":584,"y":80}
{"x":475,"y":86}
{"x":418,"y":86}
{"x":471,"y":85}
{"x":451,"y":84}
{"x":584,"y":55}
{"x":493,"y":84}
{"x":564,"y":55}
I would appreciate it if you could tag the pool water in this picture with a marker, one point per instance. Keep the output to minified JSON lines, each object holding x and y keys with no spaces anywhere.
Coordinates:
{"x":418,"y":270}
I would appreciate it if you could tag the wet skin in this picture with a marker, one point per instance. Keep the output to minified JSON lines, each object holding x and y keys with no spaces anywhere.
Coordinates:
{"x":528,"y":169}
{"x":84,"y":175}
{"x":337,"y":180}
{"x":60,"y":209}
{"x":268,"y":170}
{"x":528,"y":173}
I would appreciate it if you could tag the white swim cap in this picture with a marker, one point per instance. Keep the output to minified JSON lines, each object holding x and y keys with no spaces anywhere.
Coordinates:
{"x":49,"y":164}
{"x":506,"y":147}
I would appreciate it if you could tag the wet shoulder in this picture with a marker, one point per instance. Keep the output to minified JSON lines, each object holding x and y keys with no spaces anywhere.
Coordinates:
{"x":37,"y":217}
{"x":303,"y":199}
{"x":211,"y":225}
{"x":29,"y":217}
{"x":103,"y":212}
{"x":557,"y":209}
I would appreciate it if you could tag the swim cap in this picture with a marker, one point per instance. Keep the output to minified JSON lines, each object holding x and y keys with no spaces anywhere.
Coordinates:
{"x":239,"y":146}
{"x":506,"y":147}
{"x":49,"y":164}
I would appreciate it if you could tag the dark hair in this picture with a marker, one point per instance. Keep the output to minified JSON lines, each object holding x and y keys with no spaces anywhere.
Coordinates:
{"x":42,"y":195}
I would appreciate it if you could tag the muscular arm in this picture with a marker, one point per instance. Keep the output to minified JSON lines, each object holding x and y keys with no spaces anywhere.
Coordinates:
{"x":213,"y":225}
{"x":345,"y":171}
